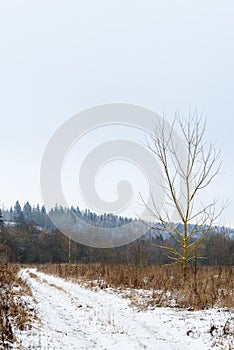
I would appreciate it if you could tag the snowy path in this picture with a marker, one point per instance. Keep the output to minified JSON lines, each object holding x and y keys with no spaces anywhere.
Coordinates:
{"x":73,"y":317}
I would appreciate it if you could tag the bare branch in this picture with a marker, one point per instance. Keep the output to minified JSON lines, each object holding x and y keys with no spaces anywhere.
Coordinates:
{"x":187,"y":170}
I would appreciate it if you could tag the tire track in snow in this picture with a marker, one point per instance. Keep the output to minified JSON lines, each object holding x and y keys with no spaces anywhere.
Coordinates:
{"x":74,"y":317}
{"x":78,"y":318}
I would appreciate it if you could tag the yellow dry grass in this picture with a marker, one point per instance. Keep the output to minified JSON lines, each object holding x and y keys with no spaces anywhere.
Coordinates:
{"x":165,"y":286}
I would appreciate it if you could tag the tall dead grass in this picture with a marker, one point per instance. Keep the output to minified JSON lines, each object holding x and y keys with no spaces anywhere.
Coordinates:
{"x":13,"y":310}
{"x":208,"y":287}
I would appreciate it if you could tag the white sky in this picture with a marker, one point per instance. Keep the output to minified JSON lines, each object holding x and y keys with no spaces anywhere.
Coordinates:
{"x":60,"y":57}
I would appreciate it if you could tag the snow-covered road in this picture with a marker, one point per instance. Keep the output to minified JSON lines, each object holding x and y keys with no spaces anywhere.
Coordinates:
{"x":74,"y":317}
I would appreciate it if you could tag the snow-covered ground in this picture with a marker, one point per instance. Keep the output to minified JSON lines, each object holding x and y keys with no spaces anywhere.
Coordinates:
{"x":74,"y":317}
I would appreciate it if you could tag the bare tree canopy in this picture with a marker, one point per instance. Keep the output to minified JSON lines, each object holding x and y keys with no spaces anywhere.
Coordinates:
{"x":188,"y":165}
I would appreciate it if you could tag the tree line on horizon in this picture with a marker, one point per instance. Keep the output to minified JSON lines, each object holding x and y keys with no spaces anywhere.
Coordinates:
{"x":39,"y":216}
{"x":28,"y":236}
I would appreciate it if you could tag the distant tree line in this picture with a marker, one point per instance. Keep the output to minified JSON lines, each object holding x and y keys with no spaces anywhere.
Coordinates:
{"x":37,"y":215}
{"x":27,"y":235}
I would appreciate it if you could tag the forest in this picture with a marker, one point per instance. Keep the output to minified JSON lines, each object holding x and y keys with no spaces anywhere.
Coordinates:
{"x":29,"y":236}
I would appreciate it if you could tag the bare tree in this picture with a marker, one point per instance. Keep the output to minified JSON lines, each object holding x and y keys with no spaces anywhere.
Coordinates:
{"x":188,"y":166}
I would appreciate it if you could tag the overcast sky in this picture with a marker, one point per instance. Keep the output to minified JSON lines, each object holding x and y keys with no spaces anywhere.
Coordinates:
{"x":60,"y":57}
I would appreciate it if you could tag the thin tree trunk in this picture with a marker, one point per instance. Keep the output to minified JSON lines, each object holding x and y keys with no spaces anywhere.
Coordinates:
{"x":69,"y":249}
{"x":185,"y":247}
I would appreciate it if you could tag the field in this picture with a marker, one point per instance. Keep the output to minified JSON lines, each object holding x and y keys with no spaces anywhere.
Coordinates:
{"x":208,"y":287}
{"x":69,"y":306}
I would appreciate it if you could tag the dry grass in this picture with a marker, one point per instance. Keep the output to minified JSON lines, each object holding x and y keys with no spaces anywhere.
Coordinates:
{"x":162,"y":285}
{"x":14,"y":312}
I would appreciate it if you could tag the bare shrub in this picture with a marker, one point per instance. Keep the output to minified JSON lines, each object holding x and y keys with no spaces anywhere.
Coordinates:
{"x":14,"y":313}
